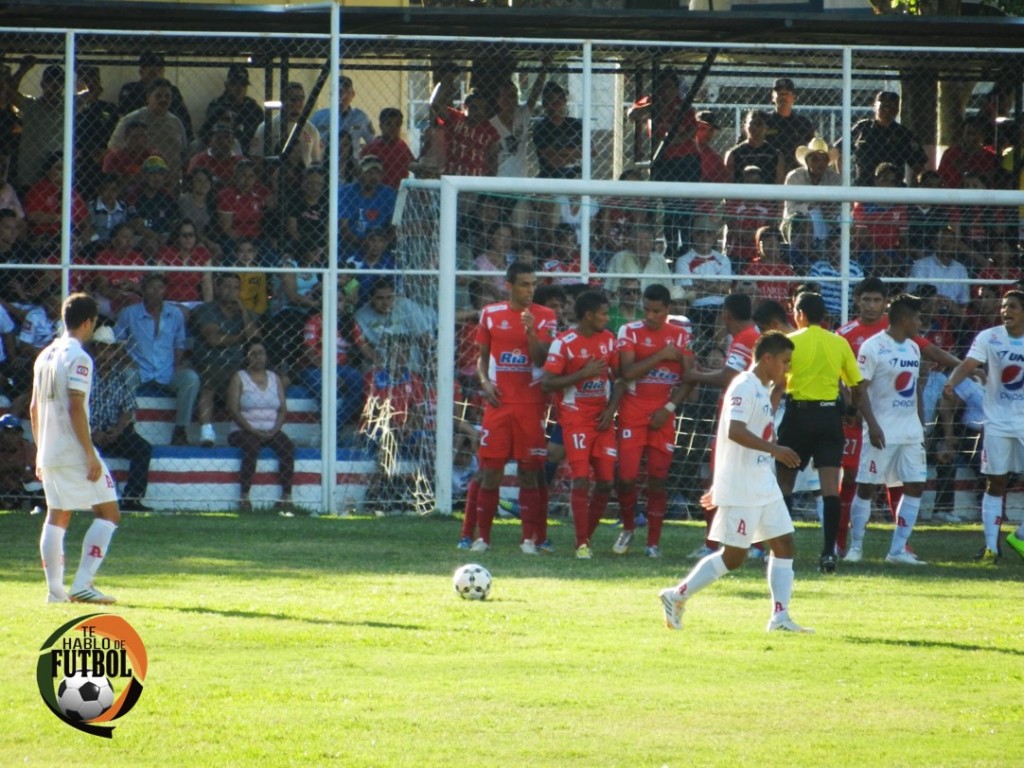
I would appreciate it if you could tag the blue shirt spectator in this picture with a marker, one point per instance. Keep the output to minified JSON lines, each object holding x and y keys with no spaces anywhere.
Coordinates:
{"x":154,"y":346}
{"x":364,"y":205}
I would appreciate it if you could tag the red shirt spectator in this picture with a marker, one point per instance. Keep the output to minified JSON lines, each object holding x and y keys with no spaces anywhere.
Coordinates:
{"x":394,"y":155}
{"x":43,"y":207}
{"x":472,"y":146}
{"x":240,"y":206}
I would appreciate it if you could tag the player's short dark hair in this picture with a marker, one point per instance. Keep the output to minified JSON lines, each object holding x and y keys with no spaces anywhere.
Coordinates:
{"x":902,"y":306}
{"x":1015,"y":294}
{"x":812,"y":305}
{"x":870,"y":285}
{"x":78,"y":309}
{"x":769,"y":312}
{"x":589,"y":301}
{"x":658,"y":292}
{"x":517,"y":268}
{"x":738,"y":305}
{"x":545,"y":293}
{"x":772,"y":343}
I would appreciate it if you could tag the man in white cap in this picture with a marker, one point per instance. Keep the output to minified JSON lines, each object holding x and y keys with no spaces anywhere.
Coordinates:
{"x":814,"y":171}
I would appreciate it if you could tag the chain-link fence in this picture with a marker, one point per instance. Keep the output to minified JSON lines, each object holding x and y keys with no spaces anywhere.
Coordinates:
{"x":181,"y":167}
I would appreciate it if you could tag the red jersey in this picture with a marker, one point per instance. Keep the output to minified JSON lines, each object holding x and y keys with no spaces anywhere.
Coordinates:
{"x":221,"y":169}
{"x":128,"y":279}
{"x":246,"y":209}
{"x":509,"y":366}
{"x":395,"y":157}
{"x":741,"y":350}
{"x":856,"y":332}
{"x":313,"y":336}
{"x":183,"y":285}
{"x":467,"y":144}
{"x":571,"y":351}
{"x":46,"y":197}
{"x":883,"y":224}
{"x":743,"y":218}
{"x":775,"y":290}
{"x":652,"y":390}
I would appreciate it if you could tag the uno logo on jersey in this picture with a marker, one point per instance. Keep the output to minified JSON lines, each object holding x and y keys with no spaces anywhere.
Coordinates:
{"x":1013,"y":377}
{"x":904,"y":384}
{"x":513,"y":358}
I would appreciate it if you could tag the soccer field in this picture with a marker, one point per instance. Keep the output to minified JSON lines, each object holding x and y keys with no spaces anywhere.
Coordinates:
{"x":339,"y":641}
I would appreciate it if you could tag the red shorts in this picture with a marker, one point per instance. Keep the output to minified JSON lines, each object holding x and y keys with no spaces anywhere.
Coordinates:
{"x":636,"y":438}
{"x":584,"y":446}
{"x":514,"y":431}
{"x":852,"y":437}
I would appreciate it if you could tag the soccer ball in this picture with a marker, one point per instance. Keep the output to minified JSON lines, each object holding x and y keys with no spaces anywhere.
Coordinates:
{"x":84,"y":696}
{"x":472,"y":582}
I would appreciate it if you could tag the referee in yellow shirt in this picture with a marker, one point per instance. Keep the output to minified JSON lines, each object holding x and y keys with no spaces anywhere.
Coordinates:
{"x":812,"y":424}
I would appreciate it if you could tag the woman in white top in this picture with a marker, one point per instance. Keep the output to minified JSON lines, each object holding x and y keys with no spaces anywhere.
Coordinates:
{"x":256,"y":402}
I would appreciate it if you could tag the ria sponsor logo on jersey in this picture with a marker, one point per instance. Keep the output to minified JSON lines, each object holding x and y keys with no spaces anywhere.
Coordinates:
{"x":660,"y":375}
{"x":513,"y":359}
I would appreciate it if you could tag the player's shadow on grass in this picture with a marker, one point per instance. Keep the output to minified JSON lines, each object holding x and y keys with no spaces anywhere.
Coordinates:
{"x":286,"y":617}
{"x":932,"y":644}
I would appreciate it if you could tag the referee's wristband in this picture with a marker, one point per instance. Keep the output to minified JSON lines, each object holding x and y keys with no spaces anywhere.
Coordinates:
{"x":670,"y":407}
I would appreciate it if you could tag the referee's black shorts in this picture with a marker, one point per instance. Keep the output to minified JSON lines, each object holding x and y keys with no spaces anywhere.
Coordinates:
{"x":814,"y":429}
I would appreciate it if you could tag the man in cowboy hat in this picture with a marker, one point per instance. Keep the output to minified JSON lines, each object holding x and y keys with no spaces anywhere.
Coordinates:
{"x":814,"y":171}
{"x":784,"y":129}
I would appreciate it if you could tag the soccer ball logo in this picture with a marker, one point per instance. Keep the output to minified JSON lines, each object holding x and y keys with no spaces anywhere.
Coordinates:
{"x":84,"y":696}
{"x":472,"y":582}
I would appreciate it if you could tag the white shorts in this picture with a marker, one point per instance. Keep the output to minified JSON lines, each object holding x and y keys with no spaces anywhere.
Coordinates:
{"x":904,"y":462}
{"x":67,"y":488}
{"x":742,"y":526}
{"x":1001,"y":455}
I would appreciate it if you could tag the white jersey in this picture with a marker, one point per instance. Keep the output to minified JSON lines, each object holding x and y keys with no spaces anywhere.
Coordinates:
{"x":61,"y":368}
{"x":893,"y":368}
{"x":1004,"y":387}
{"x":745,"y":477}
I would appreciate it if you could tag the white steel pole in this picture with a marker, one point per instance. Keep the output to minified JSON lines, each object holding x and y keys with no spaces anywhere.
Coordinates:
{"x":446,"y":347}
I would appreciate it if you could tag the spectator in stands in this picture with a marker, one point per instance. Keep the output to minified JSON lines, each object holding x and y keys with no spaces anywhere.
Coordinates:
{"x":43,"y":207}
{"x":115,"y":289}
{"x":813,"y":171}
{"x":18,"y":482}
{"x":10,"y":119}
{"x":39,"y":325}
{"x":925,"y":220}
{"x":183,"y":251}
{"x":980,"y":225}
{"x":125,"y":162}
{"x":512,"y":121}
{"x":354,"y":123}
{"x":8,"y":195}
{"x":494,"y":258}
{"x":375,"y":256}
{"x":471,"y":141}
{"x":307,"y":212}
{"x":154,"y":332}
{"x":939,"y":325}
{"x":572,"y":212}
{"x":254,"y":292}
{"x":712,"y":167}
{"x":880,"y":228}
{"x":17,"y":286}
{"x":616,"y":219}
{"x":826,"y":270}
{"x":281,"y":127}
{"x":704,"y":260}
{"x":784,"y":129}
{"x":112,"y":407}
{"x":969,"y":155}
{"x":755,"y":150}
{"x":42,"y":126}
{"x":561,"y":257}
{"x":201,"y":143}
{"x":880,"y":139}
{"x":1004,"y":259}
{"x":387,"y":313}
{"x":197,"y":204}
{"x":224,"y":326}
{"x":298,"y":296}
{"x":558,"y":138}
{"x":395,"y":155}
{"x":219,"y":158}
{"x":107,"y":209}
{"x":625,"y":304}
{"x":743,"y":218}
{"x":135,"y":95}
{"x":942,"y":264}
{"x":153,"y":209}
{"x":241,"y":206}
{"x":165,"y":132}
{"x":642,"y":258}
{"x":769,"y":263}
{"x":248,"y":113}
{"x":364,"y":205}
{"x":9,"y":364}
{"x":95,"y":121}
{"x":258,"y":406}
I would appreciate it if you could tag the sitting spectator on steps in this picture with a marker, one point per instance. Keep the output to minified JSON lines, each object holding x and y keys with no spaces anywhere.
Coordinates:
{"x":257,"y":404}
{"x":155,"y":335}
{"x":18,"y":482}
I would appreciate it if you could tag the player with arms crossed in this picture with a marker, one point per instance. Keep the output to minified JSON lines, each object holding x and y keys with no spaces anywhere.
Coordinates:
{"x":513,"y":339}
{"x":893,"y":436}
{"x":72,"y":472}
{"x":654,"y":355}
{"x":744,"y":488}
{"x":577,"y":369}
{"x":1001,"y":348}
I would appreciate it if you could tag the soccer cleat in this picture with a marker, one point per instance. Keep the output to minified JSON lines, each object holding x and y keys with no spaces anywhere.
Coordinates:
{"x":787,"y":625}
{"x":987,"y":557}
{"x":464,"y":543}
{"x":827,"y":564}
{"x":621,"y":545}
{"x":528,"y":547}
{"x":904,"y":558}
{"x":583,"y":552}
{"x":653,"y":551}
{"x":674,"y":605}
{"x":52,"y":598}
{"x":1016,"y":544}
{"x":853,"y":555}
{"x":547,"y":547}
{"x":508,"y":508}
{"x":702,"y":552}
{"x":207,"y":437}
{"x":92,"y":595}
{"x":479,"y":546}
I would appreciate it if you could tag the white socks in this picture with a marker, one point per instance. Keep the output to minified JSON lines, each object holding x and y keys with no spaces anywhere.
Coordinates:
{"x":704,"y":574}
{"x":860,"y":514}
{"x":906,"y":517}
{"x":51,"y":550}
{"x":94,"y":549}
{"x":780,"y":582}
{"x":991,"y":517}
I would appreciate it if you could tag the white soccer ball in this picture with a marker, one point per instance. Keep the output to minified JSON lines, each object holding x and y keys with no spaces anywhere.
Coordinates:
{"x":84,"y":696}
{"x":472,"y":582}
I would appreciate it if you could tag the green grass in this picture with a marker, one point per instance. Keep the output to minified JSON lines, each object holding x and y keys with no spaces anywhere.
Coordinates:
{"x":279,"y":642}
